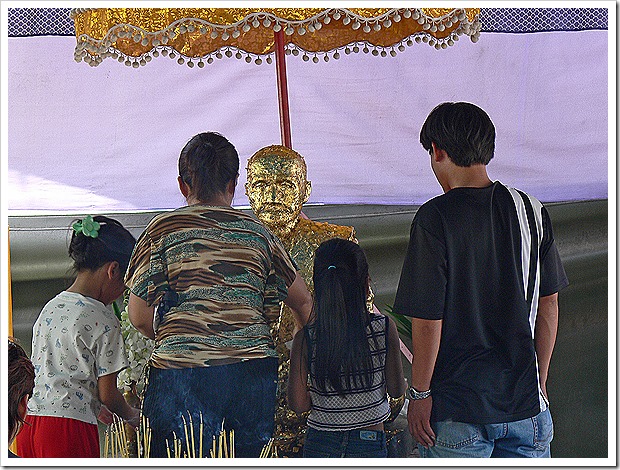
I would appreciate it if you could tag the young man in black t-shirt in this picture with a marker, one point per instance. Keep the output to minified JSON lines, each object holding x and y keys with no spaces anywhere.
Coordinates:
{"x":480,"y":281}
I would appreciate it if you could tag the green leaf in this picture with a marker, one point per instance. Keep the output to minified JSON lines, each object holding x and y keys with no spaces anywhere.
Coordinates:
{"x":117,"y":311}
{"x":403,"y":323}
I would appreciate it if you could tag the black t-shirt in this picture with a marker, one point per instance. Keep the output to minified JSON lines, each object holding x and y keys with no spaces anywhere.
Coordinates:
{"x":468,"y":263}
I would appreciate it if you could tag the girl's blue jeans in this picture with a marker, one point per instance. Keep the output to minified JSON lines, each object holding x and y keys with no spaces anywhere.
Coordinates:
{"x":355,"y":443}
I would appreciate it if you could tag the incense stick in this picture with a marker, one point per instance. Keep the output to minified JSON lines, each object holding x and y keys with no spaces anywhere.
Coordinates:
{"x":191,"y":426}
{"x":105,"y":445}
{"x":231,"y":436}
{"x":124,"y":438}
{"x":148,"y":438}
{"x":186,"y":432}
{"x":201,"y":434}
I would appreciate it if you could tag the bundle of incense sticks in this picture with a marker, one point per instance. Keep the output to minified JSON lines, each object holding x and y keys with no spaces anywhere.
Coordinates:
{"x":222,"y":445}
{"x":175,"y":449}
{"x":143,"y":436}
{"x":115,"y":443}
{"x":269,"y":451}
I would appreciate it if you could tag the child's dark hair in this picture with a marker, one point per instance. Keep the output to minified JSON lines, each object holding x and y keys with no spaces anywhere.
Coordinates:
{"x":340,"y":353}
{"x":207,"y":163}
{"x":113,"y":243}
{"x":463,"y":130}
{"x":21,"y":383}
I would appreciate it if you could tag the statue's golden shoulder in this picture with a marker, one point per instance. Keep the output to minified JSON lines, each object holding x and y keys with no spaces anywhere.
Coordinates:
{"x":321,"y":231}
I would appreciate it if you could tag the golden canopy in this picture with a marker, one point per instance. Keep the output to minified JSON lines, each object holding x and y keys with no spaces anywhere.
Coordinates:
{"x":196,"y":35}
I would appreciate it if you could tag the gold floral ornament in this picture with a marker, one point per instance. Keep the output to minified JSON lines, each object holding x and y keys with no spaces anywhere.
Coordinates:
{"x":87,"y":226}
{"x":194,"y":36}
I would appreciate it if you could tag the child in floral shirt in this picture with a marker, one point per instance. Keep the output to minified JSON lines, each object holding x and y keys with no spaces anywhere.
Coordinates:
{"x":78,"y":349}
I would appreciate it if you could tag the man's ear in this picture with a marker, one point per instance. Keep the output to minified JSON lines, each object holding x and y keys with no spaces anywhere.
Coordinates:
{"x":232,"y":185}
{"x":308,"y":191}
{"x":438,"y":154}
{"x":184,"y":187}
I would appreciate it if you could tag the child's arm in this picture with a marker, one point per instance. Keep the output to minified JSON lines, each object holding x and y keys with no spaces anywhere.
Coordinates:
{"x":394,"y":377}
{"x":111,"y":397}
{"x":297,"y":390}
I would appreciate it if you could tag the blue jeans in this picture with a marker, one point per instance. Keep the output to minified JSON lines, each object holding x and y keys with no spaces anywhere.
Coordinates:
{"x":356,"y":443}
{"x":529,"y":437}
{"x":241,"y":395}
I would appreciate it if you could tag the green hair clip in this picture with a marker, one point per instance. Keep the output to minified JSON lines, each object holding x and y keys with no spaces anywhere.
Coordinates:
{"x":87,"y":226}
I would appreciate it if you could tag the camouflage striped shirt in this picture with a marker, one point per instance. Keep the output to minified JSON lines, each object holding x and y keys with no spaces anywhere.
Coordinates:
{"x":230,"y":274}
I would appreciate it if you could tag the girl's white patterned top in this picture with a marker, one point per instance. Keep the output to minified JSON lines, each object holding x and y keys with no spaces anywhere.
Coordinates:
{"x":75,"y":340}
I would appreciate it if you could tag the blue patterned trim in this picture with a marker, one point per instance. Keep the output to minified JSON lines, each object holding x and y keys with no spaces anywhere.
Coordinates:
{"x":57,"y":22}
{"x":533,"y":20}
{"x":40,"y":22}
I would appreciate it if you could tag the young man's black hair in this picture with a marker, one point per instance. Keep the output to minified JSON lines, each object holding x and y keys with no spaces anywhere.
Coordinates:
{"x":463,"y":130}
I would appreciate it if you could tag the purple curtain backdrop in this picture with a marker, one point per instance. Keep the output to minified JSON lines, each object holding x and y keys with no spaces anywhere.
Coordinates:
{"x":108,"y":138}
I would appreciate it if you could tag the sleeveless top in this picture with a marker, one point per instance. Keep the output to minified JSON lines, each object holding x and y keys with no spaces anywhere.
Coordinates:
{"x":360,"y":407}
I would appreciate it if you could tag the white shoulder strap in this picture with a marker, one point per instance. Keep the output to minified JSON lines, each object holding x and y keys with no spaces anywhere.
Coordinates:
{"x":529,"y":212}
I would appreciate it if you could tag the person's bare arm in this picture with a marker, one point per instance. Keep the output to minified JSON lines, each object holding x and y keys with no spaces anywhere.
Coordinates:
{"x":394,"y":376}
{"x":299,"y":301}
{"x":141,"y":315}
{"x":297,"y":391}
{"x":426,"y":336}
{"x":113,"y":399}
{"x":545,"y":333}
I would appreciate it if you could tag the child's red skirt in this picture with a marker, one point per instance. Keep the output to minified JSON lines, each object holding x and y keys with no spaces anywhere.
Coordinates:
{"x":49,"y":436}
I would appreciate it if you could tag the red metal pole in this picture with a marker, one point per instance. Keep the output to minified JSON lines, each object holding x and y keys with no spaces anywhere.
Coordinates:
{"x":285,"y":119}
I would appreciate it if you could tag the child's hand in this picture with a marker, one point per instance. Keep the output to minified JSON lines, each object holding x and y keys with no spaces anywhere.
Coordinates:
{"x":105,"y":415}
{"x":134,"y":419}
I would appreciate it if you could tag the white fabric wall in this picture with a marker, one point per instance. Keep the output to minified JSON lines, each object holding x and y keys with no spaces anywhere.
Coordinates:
{"x":83,"y":139}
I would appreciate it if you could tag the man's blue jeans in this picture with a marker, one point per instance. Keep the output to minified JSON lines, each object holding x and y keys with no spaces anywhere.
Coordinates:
{"x":529,"y":437}
{"x":239,"y":396}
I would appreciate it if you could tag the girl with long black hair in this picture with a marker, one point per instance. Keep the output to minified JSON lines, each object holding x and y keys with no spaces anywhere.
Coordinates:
{"x":352,"y":357}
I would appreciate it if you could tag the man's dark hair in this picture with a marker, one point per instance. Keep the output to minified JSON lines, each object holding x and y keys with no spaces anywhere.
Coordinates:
{"x":207,"y":163}
{"x":463,"y":130}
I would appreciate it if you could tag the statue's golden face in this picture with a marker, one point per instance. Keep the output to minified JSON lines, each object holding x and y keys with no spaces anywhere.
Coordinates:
{"x":277,"y":189}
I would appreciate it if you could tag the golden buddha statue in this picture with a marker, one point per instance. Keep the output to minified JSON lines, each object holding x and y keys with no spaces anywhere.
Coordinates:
{"x":277,"y":188}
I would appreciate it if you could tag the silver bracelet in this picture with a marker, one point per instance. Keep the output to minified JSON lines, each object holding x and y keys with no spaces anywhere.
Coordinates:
{"x":415,"y":395}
